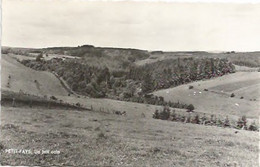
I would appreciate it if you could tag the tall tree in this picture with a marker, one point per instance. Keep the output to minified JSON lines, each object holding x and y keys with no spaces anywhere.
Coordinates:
{"x":147,"y":84}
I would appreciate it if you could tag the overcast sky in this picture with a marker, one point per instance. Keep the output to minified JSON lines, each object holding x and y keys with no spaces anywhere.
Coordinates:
{"x":144,"y":25}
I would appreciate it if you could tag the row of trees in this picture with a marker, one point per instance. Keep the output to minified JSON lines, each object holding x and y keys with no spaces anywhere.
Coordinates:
{"x":167,"y":114}
{"x":169,"y":73}
{"x":158,"y":100}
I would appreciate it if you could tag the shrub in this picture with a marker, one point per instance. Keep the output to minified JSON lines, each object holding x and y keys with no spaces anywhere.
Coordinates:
{"x":226,"y":122}
{"x":241,"y":97}
{"x":188,"y":120}
{"x":53,"y":98}
{"x":183,"y":118}
{"x":101,"y":135}
{"x":2,"y":146}
{"x":213,"y":119}
{"x":253,"y":127}
{"x":203,"y":119}
{"x":242,"y":123}
{"x":219,"y":122}
{"x":190,"y":107}
{"x":232,"y":95}
{"x":191,"y":87}
{"x":196,"y":119}
{"x":74,"y":86}
{"x":244,"y":120}
{"x":156,"y":114}
{"x":165,"y":114}
{"x":173,"y":116}
{"x":239,"y":123}
{"x":206,"y":90}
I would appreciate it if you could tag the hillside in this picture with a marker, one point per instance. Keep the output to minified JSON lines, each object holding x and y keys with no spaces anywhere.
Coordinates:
{"x":113,"y":58}
{"x":27,"y":80}
{"x":213,"y":101}
{"x":23,"y":78}
{"x":101,"y":137}
{"x":248,"y":59}
{"x":119,"y":58}
{"x":217,"y":99}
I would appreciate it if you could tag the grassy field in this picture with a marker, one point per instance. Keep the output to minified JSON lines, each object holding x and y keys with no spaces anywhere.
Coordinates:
{"x":101,"y":138}
{"x":93,"y":138}
{"x":28,"y":80}
{"x":251,"y":59}
{"x":217,"y":99}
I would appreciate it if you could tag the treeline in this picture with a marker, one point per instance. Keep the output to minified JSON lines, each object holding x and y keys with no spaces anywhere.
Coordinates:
{"x":91,"y":51}
{"x":157,"y":100}
{"x":247,"y":63}
{"x":170,"y":73}
{"x":22,"y":99}
{"x":241,"y":123}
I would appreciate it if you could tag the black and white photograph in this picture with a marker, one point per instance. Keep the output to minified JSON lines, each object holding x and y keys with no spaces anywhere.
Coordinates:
{"x":130,"y":83}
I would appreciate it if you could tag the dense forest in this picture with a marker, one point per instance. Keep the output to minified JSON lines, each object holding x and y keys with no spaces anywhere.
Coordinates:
{"x":169,"y":73}
{"x":134,"y":83}
{"x":113,"y":72}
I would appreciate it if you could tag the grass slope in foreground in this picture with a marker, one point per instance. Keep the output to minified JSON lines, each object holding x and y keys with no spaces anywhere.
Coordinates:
{"x":91,"y":138}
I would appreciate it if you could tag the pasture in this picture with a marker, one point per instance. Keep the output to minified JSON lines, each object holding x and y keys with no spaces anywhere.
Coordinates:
{"x":86,"y":138}
{"x":21,"y":78}
{"x":217,"y":99}
{"x":101,"y":138}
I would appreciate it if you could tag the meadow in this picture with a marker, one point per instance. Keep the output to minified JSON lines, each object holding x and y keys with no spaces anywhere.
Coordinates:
{"x":95,"y":135}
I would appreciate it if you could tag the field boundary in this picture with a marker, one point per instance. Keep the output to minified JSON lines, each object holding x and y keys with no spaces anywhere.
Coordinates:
{"x":14,"y":99}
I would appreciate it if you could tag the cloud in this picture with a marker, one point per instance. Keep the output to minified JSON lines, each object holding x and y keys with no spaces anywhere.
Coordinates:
{"x":152,"y":26}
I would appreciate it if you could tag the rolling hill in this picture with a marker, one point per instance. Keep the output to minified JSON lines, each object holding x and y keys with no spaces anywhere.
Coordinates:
{"x":217,"y":99}
{"x":250,"y":59}
{"x":101,"y":138}
{"x":28,"y":80}
{"x":23,"y":78}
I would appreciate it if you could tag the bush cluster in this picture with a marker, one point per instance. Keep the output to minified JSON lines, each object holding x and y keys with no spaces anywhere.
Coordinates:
{"x":232,"y":95}
{"x":166,"y":114}
{"x":242,"y":124}
{"x":158,"y":100}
